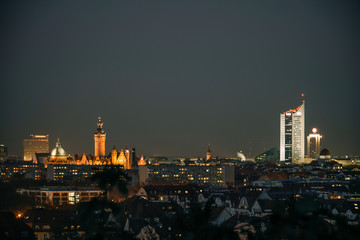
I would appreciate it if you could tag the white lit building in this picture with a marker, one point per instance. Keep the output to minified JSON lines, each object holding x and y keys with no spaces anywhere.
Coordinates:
{"x":292,"y":135}
{"x":313,"y":144}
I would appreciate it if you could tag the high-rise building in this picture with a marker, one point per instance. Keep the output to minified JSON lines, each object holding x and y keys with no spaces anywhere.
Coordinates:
{"x":313,"y":144}
{"x":292,"y":135}
{"x":36,"y":144}
{"x":99,"y":139}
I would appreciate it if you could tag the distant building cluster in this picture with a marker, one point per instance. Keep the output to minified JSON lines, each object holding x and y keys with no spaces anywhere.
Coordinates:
{"x":239,"y":193}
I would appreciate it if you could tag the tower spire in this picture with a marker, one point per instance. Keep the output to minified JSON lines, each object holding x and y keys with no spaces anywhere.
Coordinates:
{"x":208,"y":153}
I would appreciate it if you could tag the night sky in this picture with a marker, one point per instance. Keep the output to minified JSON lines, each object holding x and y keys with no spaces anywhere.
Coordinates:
{"x":168,"y":77}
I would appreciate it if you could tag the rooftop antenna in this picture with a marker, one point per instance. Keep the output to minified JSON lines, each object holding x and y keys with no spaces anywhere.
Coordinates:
{"x":303,"y":97}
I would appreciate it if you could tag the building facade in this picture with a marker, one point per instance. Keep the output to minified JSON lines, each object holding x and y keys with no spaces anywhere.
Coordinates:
{"x":60,"y":195}
{"x":35,"y":144}
{"x":292,"y":135}
{"x":313,"y":144}
{"x":23,"y":169}
{"x":71,"y":172}
{"x":179,"y":175}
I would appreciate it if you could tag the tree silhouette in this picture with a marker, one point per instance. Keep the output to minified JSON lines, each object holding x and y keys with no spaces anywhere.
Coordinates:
{"x":196,"y":223}
{"x":304,"y":219}
{"x":110,"y":178}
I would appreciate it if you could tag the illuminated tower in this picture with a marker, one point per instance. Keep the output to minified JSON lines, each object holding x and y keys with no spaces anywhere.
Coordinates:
{"x":99,"y":139}
{"x":292,"y":135}
{"x":114,"y":156}
{"x":127,"y":156}
{"x":313,"y":144}
{"x":208,"y":153}
{"x":133,"y":159}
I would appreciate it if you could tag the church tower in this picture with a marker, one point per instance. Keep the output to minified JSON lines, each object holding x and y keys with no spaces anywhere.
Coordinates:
{"x":127,"y":156}
{"x":208,"y":153}
{"x":114,"y":156}
{"x":99,"y":139}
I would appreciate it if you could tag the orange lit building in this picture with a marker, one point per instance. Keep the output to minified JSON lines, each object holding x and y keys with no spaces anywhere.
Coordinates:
{"x":58,"y":155}
{"x":36,"y":144}
{"x":99,"y":139}
{"x":142,"y":161}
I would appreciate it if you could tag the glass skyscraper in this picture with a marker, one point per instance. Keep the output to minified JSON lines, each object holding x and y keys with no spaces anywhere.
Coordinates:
{"x":292,"y":135}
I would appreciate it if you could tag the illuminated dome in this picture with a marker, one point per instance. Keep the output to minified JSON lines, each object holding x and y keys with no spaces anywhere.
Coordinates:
{"x":58,"y":151}
{"x":241,"y":156}
{"x":324,"y":154}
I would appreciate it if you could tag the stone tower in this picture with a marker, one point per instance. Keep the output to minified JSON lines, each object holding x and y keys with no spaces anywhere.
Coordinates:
{"x":127,"y":155}
{"x":114,"y":156}
{"x":99,"y":139}
{"x":208,"y":153}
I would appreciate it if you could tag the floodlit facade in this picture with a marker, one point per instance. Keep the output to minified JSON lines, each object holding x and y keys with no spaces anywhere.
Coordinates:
{"x":292,"y":135}
{"x":99,"y":139}
{"x":313,"y":144}
{"x":35,"y":144}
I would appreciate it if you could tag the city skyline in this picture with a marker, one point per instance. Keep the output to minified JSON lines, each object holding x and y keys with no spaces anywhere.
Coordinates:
{"x":106,"y":152}
{"x":196,"y":73}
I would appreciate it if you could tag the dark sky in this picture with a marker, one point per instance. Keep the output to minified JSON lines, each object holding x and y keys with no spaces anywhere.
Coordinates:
{"x":170,"y":76}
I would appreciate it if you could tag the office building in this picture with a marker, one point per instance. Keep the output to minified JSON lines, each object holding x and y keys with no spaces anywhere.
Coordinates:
{"x":35,"y":144}
{"x":21,"y":169}
{"x":179,"y":175}
{"x":292,"y":135}
{"x":71,"y":172}
{"x":313,"y":144}
{"x":59,"y":195}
